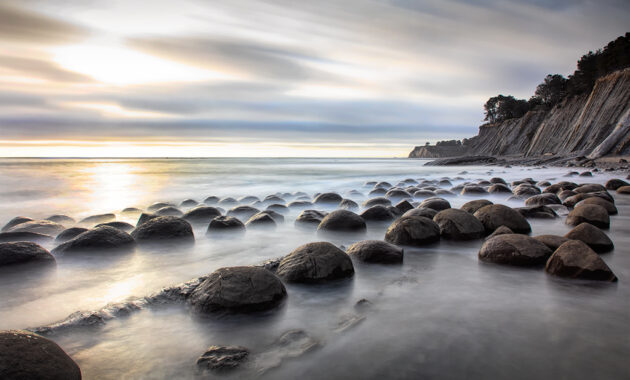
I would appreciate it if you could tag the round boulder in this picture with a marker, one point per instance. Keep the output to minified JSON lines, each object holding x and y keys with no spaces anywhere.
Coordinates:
{"x":592,"y":236}
{"x":15,"y":221}
{"x":575,"y":259}
{"x":610,"y":207}
{"x":328,"y":199}
{"x":623,"y":190}
{"x":377,"y":201}
{"x":163,"y":228}
{"x":45,"y":227}
{"x":378,"y":213}
{"x":376,"y":251}
{"x":310,"y":218}
{"x":23,"y":252}
{"x":201,"y":214}
{"x":497,"y":215}
{"x":61,"y":219}
{"x":551,"y":241}
{"x":225,"y":224}
{"x":514,"y":249}
{"x":123,"y":226}
{"x":169,"y":211}
{"x":69,"y":233}
{"x":24,"y":355}
{"x":473,"y":206}
{"x":438,"y":204}
{"x":243,"y":212}
{"x":100,"y":218}
{"x":315,"y":262}
{"x":238,"y":289}
{"x":503,"y":230}
{"x":413,"y":231}
{"x":457,"y":224}
{"x":615,"y":183}
{"x":589,"y":213}
{"x":342,"y":221}
{"x":348,"y":204}
{"x":499,"y":188}
{"x":104,"y":238}
{"x":421,"y":211}
{"x":473,"y":190}
{"x":261,"y":220}
{"x":542,"y":200}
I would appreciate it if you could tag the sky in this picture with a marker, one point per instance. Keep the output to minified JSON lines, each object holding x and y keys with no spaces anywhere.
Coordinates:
{"x":326,"y":78}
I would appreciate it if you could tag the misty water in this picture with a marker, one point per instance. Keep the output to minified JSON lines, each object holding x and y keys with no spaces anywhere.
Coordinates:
{"x":441,"y":314}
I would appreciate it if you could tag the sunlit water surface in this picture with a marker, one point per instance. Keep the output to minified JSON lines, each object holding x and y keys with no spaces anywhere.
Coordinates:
{"x":442,"y":314}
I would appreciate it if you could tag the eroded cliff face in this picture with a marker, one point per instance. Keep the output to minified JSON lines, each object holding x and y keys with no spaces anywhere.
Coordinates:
{"x":432,"y":151}
{"x":595,"y":124}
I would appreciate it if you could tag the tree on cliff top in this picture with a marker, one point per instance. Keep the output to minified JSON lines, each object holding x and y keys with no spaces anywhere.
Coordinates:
{"x":501,"y":107}
{"x":551,"y":90}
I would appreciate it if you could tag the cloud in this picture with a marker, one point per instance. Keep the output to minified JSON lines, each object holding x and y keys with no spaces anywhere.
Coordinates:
{"x":38,"y":68}
{"x":23,"y":25}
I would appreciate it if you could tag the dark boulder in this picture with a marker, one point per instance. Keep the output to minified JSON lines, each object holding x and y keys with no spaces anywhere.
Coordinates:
{"x":261,"y":220}
{"x":96,"y":219}
{"x":315,"y":262}
{"x":378,"y":213}
{"x":458,"y":224}
{"x":499,"y":188}
{"x":438,"y":204}
{"x":589,"y":188}
{"x":575,"y":259}
{"x":589,"y":213}
{"x":23,"y":252}
{"x":473,"y":190}
{"x":348,"y":204}
{"x":225,"y":224}
{"x":276,"y":216}
{"x":542,"y":200}
{"x":498,"y":180}
{"x":592,"y":236}
{"x":564,"y":194}
{"x":342,"y":221}
{"x":15,"y":221}
{"x":24,"y":355}
{"x":243,"y":212}
{"x":300,"y":204}
{"x":131,"y":210}
{"x":378,"y":191}
{"x":158,"y":205}
{"x":123,"y":226}
{"x":228,"y":201}
{"x":421,"y":211}
{"x":328,"y":199}
{"x":397,"y":194}
{"x":163,"y":228}
{"x":310,"y":219}
{"x":279,"y":208}
{"x":503,"y":230}
{"x":144,"y":217}
{"x":104,"y":238}
{"x":551,"y":241}
{"x":44,"y":227}
{"x":537,"y":212}
{"x":35,"y":237}
{"x":376,"y":251}
{"x":222,"y":358}
{"x":189,"y":203}
{"x":413,"y":231}
{"x":404,"y":206}
{"x":497,"y":215}
{"x":473,"y":206}
{"x":623,"y":190}
{"x":423,"y":194}
{"x":201,"y":214}
{"x":514,"y":249}
{"x":169,"y":211}
{"x":61,"y":219}
{"x":211,"y":200}
{"x":69,"y":233}
{"x":377,"y":201}
{"x":610,"y":207}
{"x":249,"y":199}
{"x":615,"y":183}
{"x":271,"y":199}
{"x":238,"y":289}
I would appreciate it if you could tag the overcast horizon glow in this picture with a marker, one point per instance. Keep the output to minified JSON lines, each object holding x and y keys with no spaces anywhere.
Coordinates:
{"x":275,"y":78}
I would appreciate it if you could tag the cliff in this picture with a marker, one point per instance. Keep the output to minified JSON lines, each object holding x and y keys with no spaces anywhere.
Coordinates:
{"x":595,"y":124}
{"x":432,"y":151}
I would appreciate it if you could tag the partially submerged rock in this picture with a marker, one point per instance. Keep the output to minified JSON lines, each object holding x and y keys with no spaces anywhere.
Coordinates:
{"x":104,"y":238}
{"x":421,"y":211}
{"x":376,"y":251}
{"x":342,"y":221}
{"x":222,"y":358}
{"x":69,"y":233}
{"x":61,"y":219}
{"x":45,"y":227}
{"x":332,"y":199}
{"x":23,"y":252}
{"x":503,"y":230}
{"x":201,"y":214}
{"x":609,"y":206}
{"x":378,"y":213}
{"x":514,"y":249}
{"x":413,"y":231}
{"x":164,"y":228}
{"x":497,"y":215}
{"x":315,"y":262}
{"x":473,"y":206}
{"x":25,"y":355}
{"x":15,"y":221}
{"x":575,"y":259}
{"x":225,"y":224}
{"x":438,"y":204}
{"x":6,"y":237}
{"x":458,"y":224}
{"x":589,"y":213}
{"x":100,"y":218}
{"x":261,"y":220}
{"x":551,"y":241}
{"x":592,"y":236}
{"x":238,"y":289}
{"x":310,"y":219}
{"x":123,"y":226}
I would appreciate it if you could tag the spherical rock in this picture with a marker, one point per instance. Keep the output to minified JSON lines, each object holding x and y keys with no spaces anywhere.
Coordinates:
{"x":542,"y":200}
{"x":279,"y":208}
{"x":261,"y":220}
{"x":473,"y":190}
{"x":24,"y":355}
{"x":378,"y":213}
{"x":610,"y":207}
{"x":499,"y":188}
{"x":473,"y":206}
{"x":201,"y":214}
{"x":377,"y":201}
{"x":498,"y":180}
{"x":623,"y":190}
{"x":145,"y":217}
{"x":458,"y":224}
{"x":497,"y":215}
{"x":158,"y":205}
{"x":164,"y":228}
{"x":589,"y":213}
{"x":225,"y":224}
{"x":423,"y":194}
{"x":413,"y":231}
{"x":328,"y":199}
{"x":575,"y":259}
{"x":537,"y":212}
{"x":7,"y":237}
{"x":421,"y":211}
{"x":100,"y":218}
{"x":315,"y":262}
{"x":404,"y":206}
{"x":503,"y":230}
{"x":376,"y":251}
{"x":438,"y":204}
{"x":23,"y":252}
{"x":397,"y":194}
{"x":514,"y":249}
{"x":69,"y":233}
{"x":310,"y":218}
{"x":551,"y":241}
{"x":169,"y":211}
{"x":45,"y":227}
{"x":61,"y":219}
{"x":211,"y":200}
{"x":342,"y":221}
{"x":592,"y":236}
{"x":104,"y":238}
{"x":189,"y":203}
{"x":615,"y":183}
{"x":348,"y":204}
{"x":589,"y":188}
{"x":243,"y":212}
{"x":238,"y":289}
{"x":15,"y":221}
{"x":123,"y":226}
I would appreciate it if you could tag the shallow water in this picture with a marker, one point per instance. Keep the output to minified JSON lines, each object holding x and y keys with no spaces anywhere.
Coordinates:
{"x":442,"y":314}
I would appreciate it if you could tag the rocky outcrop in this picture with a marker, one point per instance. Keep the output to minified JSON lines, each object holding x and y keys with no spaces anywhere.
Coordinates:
{"x":433,"y":151}
{"x":594,"y":124}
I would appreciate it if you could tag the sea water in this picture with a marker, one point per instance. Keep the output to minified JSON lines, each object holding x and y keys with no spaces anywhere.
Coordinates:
{"x":441,"y":314}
